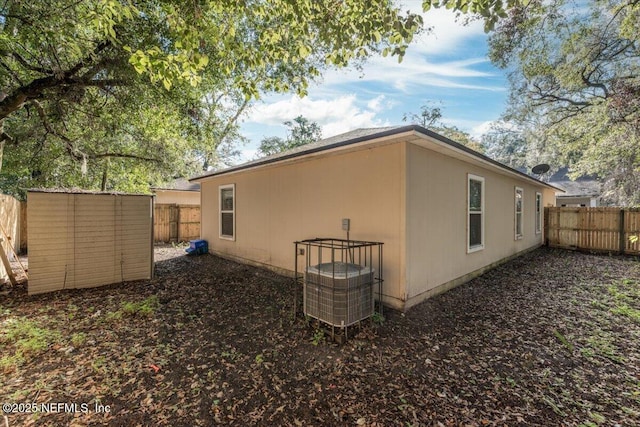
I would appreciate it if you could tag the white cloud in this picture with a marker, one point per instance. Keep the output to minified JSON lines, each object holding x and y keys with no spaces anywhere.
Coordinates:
{"x":448,"y":33}
{"x":248,"y":154}
{"x":429,"y":59}
{"x":482,"y":128}
{"x":416,"y":70}
{"x":377,"y":104}
{"x":339,"y":114}
{"x":448,"y":64}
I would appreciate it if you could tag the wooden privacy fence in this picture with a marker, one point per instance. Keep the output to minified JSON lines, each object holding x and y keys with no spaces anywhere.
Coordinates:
{"x":176,"y":223}
{"x":594,"y":229}
{"x":12,"y":229}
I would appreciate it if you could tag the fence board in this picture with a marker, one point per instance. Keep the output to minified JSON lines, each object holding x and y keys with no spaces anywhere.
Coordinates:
{"x":174,"y":223}
{"x":602,"y":229}
{"x":23,"y":227}
{"x":11,"y":225}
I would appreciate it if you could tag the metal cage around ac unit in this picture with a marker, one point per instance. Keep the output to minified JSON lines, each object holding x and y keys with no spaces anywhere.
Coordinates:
{"x":340,"y":279}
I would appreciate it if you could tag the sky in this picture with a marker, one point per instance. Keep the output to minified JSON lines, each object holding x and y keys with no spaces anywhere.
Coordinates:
{"x":447,"y":68}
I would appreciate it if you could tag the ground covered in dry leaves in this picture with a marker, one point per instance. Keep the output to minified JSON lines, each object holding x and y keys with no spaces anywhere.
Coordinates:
{"x":551,"y":338}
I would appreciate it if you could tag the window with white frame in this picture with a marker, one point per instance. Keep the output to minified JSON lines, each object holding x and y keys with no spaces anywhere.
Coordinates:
{"x":475,"y":213}
{"x":518,"y":210}
{"x":538,"y":213}
{"x":227,"y":195}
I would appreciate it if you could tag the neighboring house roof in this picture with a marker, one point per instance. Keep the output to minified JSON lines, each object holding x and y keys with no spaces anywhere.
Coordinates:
{"x":180,"y":184}
{"x":363,"y":135}
{"x":584,"y":186}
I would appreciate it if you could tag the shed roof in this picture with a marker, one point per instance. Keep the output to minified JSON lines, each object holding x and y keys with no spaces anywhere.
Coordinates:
{"x":82,"y":191}
{"x":179,"y":184}
{"x":364,"y":135}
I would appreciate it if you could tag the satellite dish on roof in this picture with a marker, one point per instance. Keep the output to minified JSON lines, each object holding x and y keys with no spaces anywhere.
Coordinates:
{"x":540,"y":169}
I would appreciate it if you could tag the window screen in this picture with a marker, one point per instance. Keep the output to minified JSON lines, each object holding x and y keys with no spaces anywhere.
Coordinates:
{"x":227,"y":211}
{"x":475,"y":213}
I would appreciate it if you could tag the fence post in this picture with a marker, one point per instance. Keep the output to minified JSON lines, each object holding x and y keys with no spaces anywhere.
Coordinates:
{"x":623,"y":241}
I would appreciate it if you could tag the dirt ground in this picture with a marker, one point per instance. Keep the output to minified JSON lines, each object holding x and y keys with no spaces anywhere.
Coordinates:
{"x":551,"y":338}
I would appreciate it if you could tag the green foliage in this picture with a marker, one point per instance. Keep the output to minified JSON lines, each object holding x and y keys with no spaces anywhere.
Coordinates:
{"x":301,"y":131}
{"x":378,"y":318}
{"x":565,"y":342}
{"x":631,"y":313}
{"x":429,"y":117}
{"x":27,"y":339}
{"x":625,"y":300}
{"x":575,"y":87}
{"x":318,"y":336}
{"x":603,"y":345}
{"x":9,"y":363}
{"x":113,"y":316}
{"x":78,"y":338}
{"x":507,"y":145}
{"x":144,"y":308}
{"x":117,"y":94}
{"x":491,"y":11}
{"x":459,"y":136}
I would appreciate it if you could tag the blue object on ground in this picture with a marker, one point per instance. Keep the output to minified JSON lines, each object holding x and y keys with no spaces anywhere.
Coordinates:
{"x":197,"y":247}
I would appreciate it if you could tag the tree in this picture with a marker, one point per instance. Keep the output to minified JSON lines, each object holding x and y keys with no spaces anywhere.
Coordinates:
{"x":301,"y":131}
{"x":507,"y":145}
{"x":575,"y":86}
{"x":459,"y":136}
{"x":73,"y":70}
{"x":429,"y":118}
{"x":491,"y":11}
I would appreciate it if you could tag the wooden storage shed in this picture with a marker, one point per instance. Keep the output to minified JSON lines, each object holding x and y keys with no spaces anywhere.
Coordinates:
{"x":83,"y":240}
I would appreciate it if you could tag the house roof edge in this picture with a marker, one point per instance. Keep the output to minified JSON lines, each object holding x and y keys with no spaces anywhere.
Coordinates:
{"x":371,"y":137}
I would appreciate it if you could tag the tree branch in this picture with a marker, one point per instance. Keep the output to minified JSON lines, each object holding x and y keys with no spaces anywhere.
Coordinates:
{"x":232,"y":121}
{"x":96,"y":83}
{"x":586,"y":80}
{"x":6,"y":137}
{"x":35,"y":88}
{"x":77,"y":154}
{"x":29,"y":66}
{"x":550,"y":97}
{"x":68,"y":144}
{"x":87,"y":59}
{"x":123,"y":156}
{"x":15,"y":75}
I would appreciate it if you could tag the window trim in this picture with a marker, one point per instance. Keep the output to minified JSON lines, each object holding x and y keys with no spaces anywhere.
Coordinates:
{"x":232,"y":211}
{"x":539,"y":209}
{"x":475,"y":248}
{"x":518,"y":236}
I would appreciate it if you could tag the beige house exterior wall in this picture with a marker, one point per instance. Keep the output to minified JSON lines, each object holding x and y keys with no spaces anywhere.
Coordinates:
{"x":408,"y":191}
{"x":279,"y":204}
{"x":87,"y":240}
{"x":177,"y":197}
{"x":437,"y":257}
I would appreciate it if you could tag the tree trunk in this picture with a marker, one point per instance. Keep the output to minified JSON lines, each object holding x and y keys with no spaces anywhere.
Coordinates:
{"x":1,"y":153}
{"x":103,"y":185}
